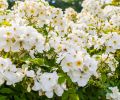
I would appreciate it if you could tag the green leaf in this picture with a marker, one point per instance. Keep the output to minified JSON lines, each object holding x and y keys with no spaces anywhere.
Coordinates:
{"x":38,"y":61}
{"x":65,"y":96}
{"x":6,"y":91}
{"x":104,"y":77}
{"x":16,"y":98}
{"x":3,"y":97}
{"x":19,"y":98}
{"x":72,"y":90}
{"x":61,"y":80}
{"x":74,"y":97}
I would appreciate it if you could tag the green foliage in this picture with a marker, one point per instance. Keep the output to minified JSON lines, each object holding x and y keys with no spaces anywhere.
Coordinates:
{"x":76,"y":4}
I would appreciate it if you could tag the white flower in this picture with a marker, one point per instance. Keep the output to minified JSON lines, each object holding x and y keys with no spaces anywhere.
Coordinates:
{"x":47,"y":83}
{"x":79,"y":67}
{"x":3,"y":4}
{"x":115,"y":95}
{"x":112,"y":43}
{"x":9,"y":72}
{"x":50,"y":79}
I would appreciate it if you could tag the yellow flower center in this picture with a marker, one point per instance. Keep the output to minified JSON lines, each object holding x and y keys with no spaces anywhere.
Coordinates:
{"x":78,"y":63}
{"x":69,"y":64}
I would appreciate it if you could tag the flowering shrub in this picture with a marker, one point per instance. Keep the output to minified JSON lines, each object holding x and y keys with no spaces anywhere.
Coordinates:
{"x":64,"y":55}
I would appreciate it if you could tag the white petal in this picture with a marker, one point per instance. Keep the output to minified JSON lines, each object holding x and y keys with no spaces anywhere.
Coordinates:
{"x":37,"y":86}
{"x":58,"y":90}
{"x":49,"y":94}
{"x":30,"y":73}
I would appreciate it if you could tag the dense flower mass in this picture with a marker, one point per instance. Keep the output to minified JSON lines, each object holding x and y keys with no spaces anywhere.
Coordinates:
{"x":20,"y":38}
{"x":52,"y":51}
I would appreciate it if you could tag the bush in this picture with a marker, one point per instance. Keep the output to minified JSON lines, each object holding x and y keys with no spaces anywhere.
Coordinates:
{"x":47,"y":53}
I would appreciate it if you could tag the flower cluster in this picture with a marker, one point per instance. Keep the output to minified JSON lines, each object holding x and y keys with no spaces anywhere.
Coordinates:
{"x":52,"y":51}
{"x":9,"y":72}
{"x":79,"y":67}
{"x":47,"y":83}
{"x":20,"y":38}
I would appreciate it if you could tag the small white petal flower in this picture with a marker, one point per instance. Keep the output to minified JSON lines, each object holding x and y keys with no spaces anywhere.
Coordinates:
{"x":30,"y":73}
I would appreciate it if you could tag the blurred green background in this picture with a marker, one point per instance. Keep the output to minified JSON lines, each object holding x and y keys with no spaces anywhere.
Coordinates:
{"x":76,"y":4}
